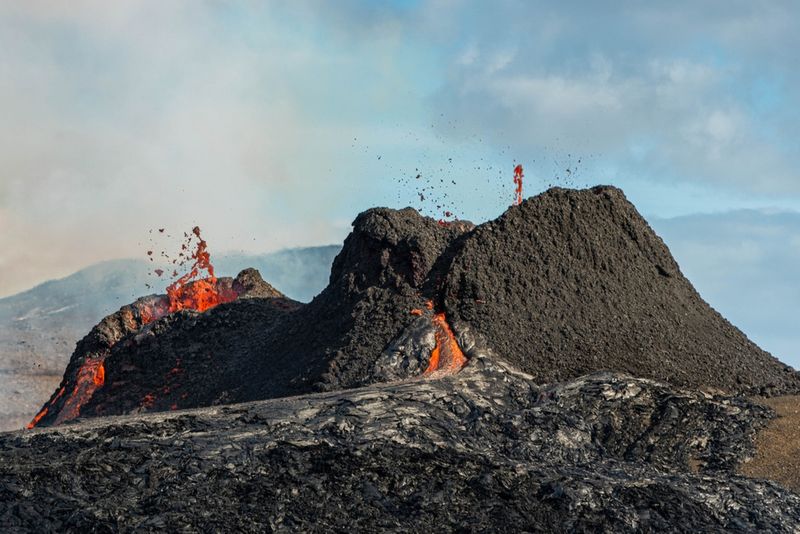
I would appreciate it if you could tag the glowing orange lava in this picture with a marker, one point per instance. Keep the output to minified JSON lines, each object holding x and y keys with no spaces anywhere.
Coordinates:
{"x":44,"y":411}
{"x":99,"y":377}
{"x":446,"y":356}
{"x":518,"y":185}
{"x":188,"y":293}
{"x":90,"y":377}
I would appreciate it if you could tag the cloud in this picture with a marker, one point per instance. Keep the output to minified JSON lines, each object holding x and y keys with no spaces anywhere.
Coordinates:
{"x":667,"y":93}
{"x":119,"y":120}
{"x":242,"y":117}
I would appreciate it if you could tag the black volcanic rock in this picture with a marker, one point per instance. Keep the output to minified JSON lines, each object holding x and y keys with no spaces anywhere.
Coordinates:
{"x":572,"y":281}
{"x":486,"y":449}
{"x":382,"y":273}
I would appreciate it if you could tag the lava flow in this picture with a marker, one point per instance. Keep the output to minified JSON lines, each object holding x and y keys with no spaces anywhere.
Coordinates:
{"x":91,"y":376}
{"x":446,"y":357}
{"x":44,"y":410}
{"x":518,"y":185}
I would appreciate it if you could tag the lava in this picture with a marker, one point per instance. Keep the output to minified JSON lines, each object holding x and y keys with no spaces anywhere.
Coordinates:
{"x":89,"y":378}
{"x":99,"y":377}
{"x":446,"y":356}
{"x":188,"y":293}
{"x":518,"y":185}
{"x":149,"y":312}
{"x":44,"y":410}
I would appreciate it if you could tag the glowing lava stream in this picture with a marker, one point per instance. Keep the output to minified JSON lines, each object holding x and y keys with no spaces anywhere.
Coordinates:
{"x":44,"y":410}
{"x":90,"y":377}
{"x":446,"y":357}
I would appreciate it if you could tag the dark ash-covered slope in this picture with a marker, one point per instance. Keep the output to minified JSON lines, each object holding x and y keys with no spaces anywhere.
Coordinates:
{"x":486,"y":449}
{"x":573,"y":281}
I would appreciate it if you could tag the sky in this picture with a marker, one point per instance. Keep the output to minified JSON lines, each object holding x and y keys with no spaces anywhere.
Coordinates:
{"x":272,"y":124}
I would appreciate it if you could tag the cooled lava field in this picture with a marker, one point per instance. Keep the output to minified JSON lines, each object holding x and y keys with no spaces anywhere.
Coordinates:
{"x":550,"y":370}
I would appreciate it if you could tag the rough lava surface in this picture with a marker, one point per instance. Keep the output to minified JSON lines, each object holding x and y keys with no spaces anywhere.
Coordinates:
{"x":486,"y":449}
{"x":600,"y":393}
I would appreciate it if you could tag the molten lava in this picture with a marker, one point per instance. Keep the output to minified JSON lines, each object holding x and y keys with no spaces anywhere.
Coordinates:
{"x":188,"y":293}
{"x":446,"y":356}
{"x":518,"y":185}
{"x":90,"y":377}
{"x":44,"y":411}
{"x":99,"y":377}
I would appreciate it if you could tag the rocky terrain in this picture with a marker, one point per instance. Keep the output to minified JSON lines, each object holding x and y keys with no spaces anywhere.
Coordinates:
{"x":551,"y":370}
{"x":484,"y":449}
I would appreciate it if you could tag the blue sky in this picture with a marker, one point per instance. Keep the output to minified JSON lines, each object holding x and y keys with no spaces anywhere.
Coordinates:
{"x":271,"y":124}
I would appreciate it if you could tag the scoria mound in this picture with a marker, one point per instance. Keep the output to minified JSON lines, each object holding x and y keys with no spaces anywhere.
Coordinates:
{"x":572,"y":282}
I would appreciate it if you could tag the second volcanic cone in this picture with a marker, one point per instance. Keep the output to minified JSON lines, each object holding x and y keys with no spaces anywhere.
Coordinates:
{"x":574,"y":281}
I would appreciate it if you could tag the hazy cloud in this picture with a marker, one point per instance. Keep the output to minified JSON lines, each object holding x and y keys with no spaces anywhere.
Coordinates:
{"x":119,"y":120}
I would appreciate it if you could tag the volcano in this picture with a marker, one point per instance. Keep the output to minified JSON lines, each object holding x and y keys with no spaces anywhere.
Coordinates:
{"x":564,"y":284}
{"x":551,"y":367}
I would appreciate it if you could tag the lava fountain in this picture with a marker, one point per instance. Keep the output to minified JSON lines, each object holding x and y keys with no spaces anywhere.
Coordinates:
{"x":518,"y":185}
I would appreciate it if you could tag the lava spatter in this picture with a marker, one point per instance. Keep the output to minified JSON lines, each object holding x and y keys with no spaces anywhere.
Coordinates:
{"x":188,"y":293}
{"x":518,"y":175}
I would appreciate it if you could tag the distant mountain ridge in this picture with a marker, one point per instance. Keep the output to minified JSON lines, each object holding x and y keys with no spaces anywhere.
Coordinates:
{"x":39,"y":327}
